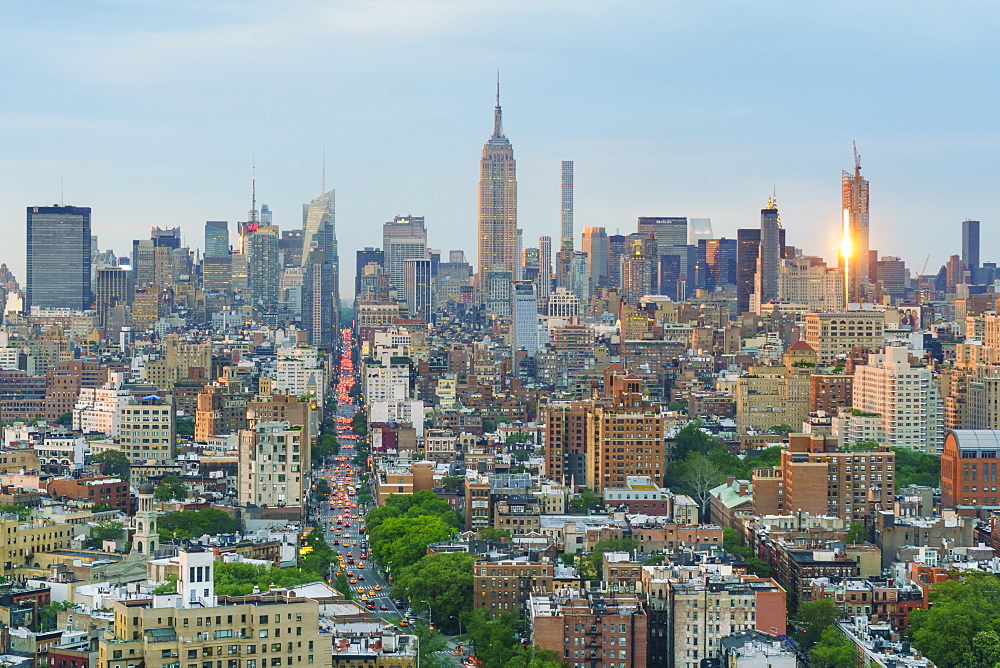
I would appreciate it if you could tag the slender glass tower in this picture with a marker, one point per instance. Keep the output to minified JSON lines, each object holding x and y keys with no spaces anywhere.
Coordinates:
{"x":58,"y":258}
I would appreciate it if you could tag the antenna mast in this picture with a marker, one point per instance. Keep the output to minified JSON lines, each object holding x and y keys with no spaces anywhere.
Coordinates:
{"x":253,"y":192}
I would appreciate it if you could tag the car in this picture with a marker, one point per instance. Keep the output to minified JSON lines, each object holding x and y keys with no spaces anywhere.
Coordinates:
{"x":364,"y":597}
{"x":361,"y":577}
{"x":403,"y":622}
{"x":384,"y":607}
{"x":336,"y":542}
{"x":370,"y":606}
{"x":360,"y":590}
{"x":378,"y":587}
{"x":371,"y":592}
{"x":353,"y":581}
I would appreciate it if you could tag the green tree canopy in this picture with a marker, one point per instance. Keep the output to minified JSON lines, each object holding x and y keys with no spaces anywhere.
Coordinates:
{"x":106,"y":530}
{"x":402,"y":541}
{"x":171,"y":488}
{"x":359,"y":423}
{"x":196,"y":523}
{"x":167,"y":587}
{"x":812,"y":618}
{"x":185,"y":426}
{"x":960,"y":630}
{"x":585,"y":502}
{"x":857,"y":533}
{"x":444,"y":581}
{"x":691,"y":439}
{"x":917,"y":468}
{"x":424,"y":503}
{"x":834,"y":650}
{"x":239,"y":579}
{"x":327,"y":446}
{"x":429,"y":643}
{"x":114,"y":462}
{"x":590,"y":564}
{"x":453,"y":482}
{"x":494,"y":639}
{"x":48,"y":614}
{"x":66,"y":420}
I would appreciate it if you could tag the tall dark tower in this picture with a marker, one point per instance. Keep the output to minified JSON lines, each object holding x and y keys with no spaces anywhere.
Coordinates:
{"x":58,"y":258}
{"x":497,"y":204}
{"x":970,"y":249}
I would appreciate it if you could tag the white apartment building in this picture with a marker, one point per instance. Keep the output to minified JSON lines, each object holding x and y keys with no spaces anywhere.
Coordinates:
{"x":902,"y":398}
{"x":386,"y":380}
{"x":98,"y":408}
{"x":61,"y":456}
{"x":299,"y":371}
{"x":271,"y":465}
{"x":8,"y":358}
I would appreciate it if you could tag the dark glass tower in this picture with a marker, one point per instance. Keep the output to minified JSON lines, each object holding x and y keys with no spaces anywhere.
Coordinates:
{"x":970,"y":249}
{"x":216,"y":238}
{"x":58,"y":257}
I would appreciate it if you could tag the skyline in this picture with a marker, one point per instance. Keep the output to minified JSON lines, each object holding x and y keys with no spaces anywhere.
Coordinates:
{"x":146,"y":143}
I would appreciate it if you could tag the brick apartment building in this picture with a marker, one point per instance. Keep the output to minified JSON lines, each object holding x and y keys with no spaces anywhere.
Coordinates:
{"x":106,"y":491}
{"x":969,"y":471}
{"x":505,"y":586}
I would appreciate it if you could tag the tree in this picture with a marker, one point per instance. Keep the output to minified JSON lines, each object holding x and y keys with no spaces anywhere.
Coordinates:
{"x":167,"y":587}
{"x":402,"y":541}
{"x":185,"y":426}
{"x":22,"y":511}
{"x":781,"y":430}
{"x":585,"y":502}
{"x":327,"y":446}
{"x":48,"y":614}
{"x":533,"y":656}
{"x":66,"y":420}
{"x":700,"y":476}
{"x":429,"y":643}
{"x":813,"y":617}
{"x":759,"y":567}
{"x":442,"y":580}
{"x":691,"y":439}
{"x":195,"y":524}
{"x":343,"y":586}
{"x":733,"y":543}
{"x":424,"y":503}
{"x":322,"y":489}
{"x":114,"y":462}
{"x":106,"y":530}
{"x":494,"y":639}
{"x":365,"y":495}
{"x":359,"y":424}
{"x":834,"y":650}
{"x":455,"y":482}
{"x":239,"y":579}
{"x":170,"y":488}
{"x":857,"y":533}
{"x":489,"y":426}
{"x":917,"y":468}
{"x":960,"y":628}
{"x":495,"y":535}
{"x":355,"y":391}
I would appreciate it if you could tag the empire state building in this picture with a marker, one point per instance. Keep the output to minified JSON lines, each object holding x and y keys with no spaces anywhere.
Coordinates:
{"x":497,"y":207}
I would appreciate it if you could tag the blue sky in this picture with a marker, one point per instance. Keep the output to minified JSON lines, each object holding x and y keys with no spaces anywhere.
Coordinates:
{"x":153,"y":111}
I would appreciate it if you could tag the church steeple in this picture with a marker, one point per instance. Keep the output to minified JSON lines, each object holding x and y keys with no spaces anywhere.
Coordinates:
{"x":146,"y":536}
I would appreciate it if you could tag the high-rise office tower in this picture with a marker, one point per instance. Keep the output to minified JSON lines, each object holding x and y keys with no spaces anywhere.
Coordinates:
{"x":263,"y":268}
{"x":891,"y":273}
{"x":519,"y":273}
{"x":404,"y":238}
{"x":291,"y":246}
{"x":768,"y":272}
{"x":595,"y":245}
{"x":497,"y":204}
{"x":318,"y":297}
{"x":418,"y":285}
{"x":169,"y":238}
{"x":970,"y":249}
{"x":529,"y":264}
{"x":719,"y":258}
{"x":700,"y":228}
{"x":266,"y":215}
{"x":111,"y":290}
{"x":544,"y":268}
{"x":579,"y":277}
{"x":365,"y":257}
{"x":854,"y":252}
{"x":616,"y":251}
{"x":669,"y":231}
{"x":747,"y":248}
{"x":321,"y":210}
{"x":58,"y":257}
{"x":216,"y":238}
{"x":674,"y":271}
{"x":524,"y":323}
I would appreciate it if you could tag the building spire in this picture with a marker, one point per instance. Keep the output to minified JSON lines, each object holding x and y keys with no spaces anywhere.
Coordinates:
{"x":253,"y":191}
{"x":497,"y":120}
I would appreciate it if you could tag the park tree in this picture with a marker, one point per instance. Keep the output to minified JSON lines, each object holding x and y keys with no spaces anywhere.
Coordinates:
{"x":699,"y":477}
{"x":443,"y":581}
{"x":195,"y":524}
{"x":917,"y":468}
{"x":429,"y":643}
{"x":106,"y":530}
{"x":590,"y":565}
{"x":48,"y":614}
{"x":494,"y":638}
{"x":327,"y":446}
{"x":185,"y":427}
{"x":960,"y":628}
{"x":402,"y":541}
{"x":171,"y":488}
{"x":114,"y":462}
{"x":239,"y":579}
{"x":423,"y":503}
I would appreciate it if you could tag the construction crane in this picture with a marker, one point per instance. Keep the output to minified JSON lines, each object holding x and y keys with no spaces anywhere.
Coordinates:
{"x":924,"y":269}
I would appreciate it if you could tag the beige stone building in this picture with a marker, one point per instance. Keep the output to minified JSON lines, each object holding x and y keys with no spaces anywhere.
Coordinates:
{"x":833,"y":335}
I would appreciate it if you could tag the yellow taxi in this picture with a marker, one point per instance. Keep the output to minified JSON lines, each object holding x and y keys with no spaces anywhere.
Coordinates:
{"x":364,"y":597}
{"x":378,"y":587}
{"x":353,"y":581}
{"x":360,"y":590}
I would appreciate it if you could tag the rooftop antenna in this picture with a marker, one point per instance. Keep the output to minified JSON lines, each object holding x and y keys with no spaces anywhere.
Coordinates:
{"x":253,"y":191}
{"x":323,"y":183}
{"x":498,"y":86}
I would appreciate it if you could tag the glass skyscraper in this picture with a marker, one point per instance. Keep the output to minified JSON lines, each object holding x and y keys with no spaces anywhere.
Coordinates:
{"x":216,"y":238}
{"x":58,"y":257}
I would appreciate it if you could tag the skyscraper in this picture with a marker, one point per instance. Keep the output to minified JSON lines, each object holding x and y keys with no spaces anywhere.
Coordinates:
{"x":566,"y":208}
{"x":767,"y":283}
{"x":669,"y":231}
{"x":497,"y":204}
{"x":544,"y":268}
{"x":321,"y":289}
{"x":216,"y":238}
{"x":314,"y":214}
{"x":168,"y":238}
{"x":418,"y":284}
{"x":854,"y":252}
{"x":263,"y":268}
{"x":524,"y":334}
{"x":701,"y":228}
{"x":363,"y":259}
{"x":404,"y":238}
{"x":58,"y":257}
{"x":747,"y":248}
{"x":719,"y":257}
{"x":595,"y":245}
{"x":970,"y":249}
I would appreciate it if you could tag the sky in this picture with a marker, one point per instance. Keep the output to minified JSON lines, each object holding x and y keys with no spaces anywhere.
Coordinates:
{"x":153,"y":112}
